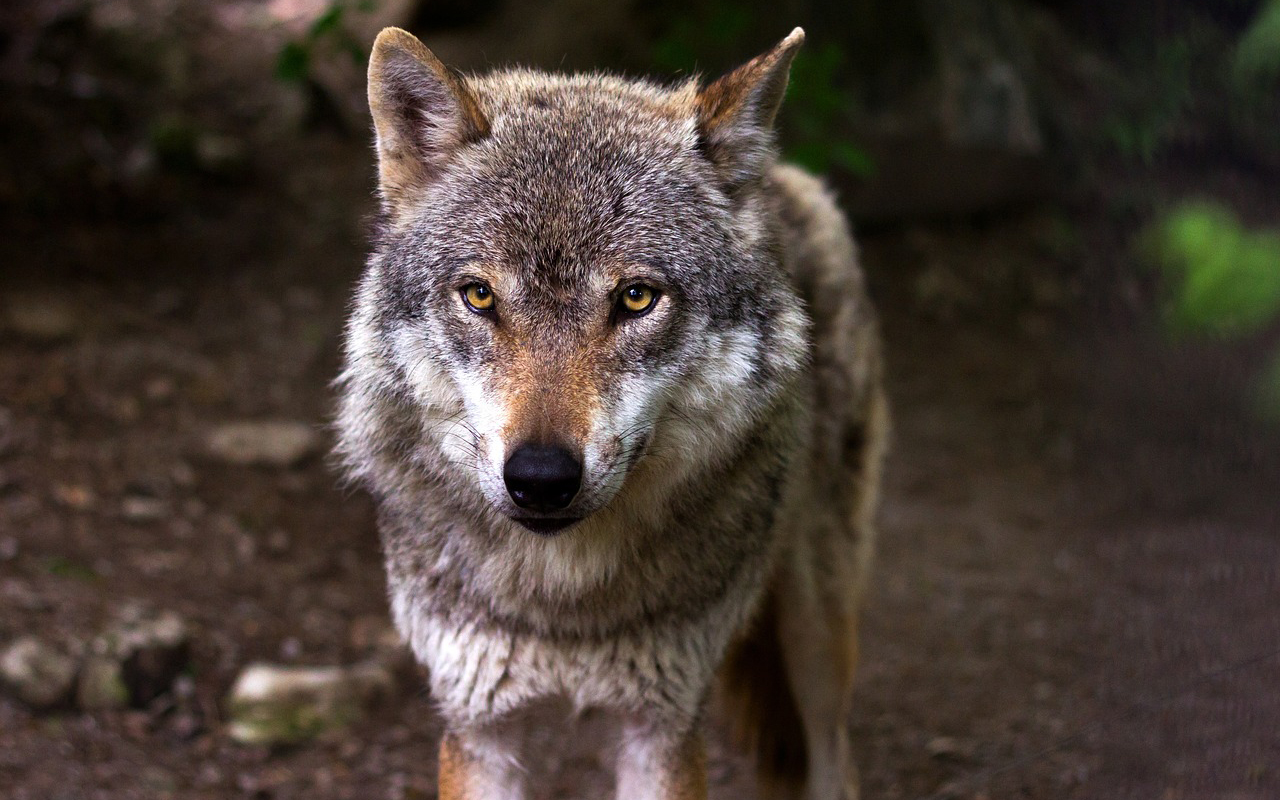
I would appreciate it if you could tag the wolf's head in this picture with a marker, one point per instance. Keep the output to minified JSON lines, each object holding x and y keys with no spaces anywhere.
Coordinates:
{"x":576,"y":274}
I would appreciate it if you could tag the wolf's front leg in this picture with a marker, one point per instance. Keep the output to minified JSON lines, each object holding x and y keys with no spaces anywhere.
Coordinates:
{"x":476,"y":767}
{"x":657,"y":765}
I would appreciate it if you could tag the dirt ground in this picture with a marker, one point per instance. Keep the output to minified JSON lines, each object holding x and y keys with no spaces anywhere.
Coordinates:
{"x":1075,"y":595}
{"x":1078,"y":526}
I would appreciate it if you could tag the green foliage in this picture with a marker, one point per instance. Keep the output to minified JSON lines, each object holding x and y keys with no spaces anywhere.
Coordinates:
{"x":1156,"y":105}
{"x":293,"y":63}
{"x":1204,"y":80}
{"x":713,"y":34}
{"x":1224,"y":281}
{"x":1257,"y":55}
{"x":818,"y":114}
{"x":817,"y":117}
{"x":1225,"y":277}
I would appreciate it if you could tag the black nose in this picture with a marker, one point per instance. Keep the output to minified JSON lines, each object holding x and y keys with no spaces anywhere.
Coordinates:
{"x":542,"y":477}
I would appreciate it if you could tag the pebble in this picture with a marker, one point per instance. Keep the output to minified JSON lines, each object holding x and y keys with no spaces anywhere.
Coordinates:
{"x":140,"y":508}
{"x":38,"y":673}
{"x":76,"y":496}
{"x":143,"y":653}
{"x":101,"y":685}
{"x":271,"y":704}
{"x":277,"y":443}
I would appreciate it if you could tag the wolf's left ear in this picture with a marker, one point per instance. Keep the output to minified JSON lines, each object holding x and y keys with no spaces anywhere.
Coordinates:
{"x":736,"y":112}
{"x":422,"y":113}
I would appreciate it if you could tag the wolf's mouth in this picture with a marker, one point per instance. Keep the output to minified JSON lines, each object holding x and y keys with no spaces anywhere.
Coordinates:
{"x":547,"y":525}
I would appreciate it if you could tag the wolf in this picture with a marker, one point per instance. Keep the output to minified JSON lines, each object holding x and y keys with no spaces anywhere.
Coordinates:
{"x":614,"y":382}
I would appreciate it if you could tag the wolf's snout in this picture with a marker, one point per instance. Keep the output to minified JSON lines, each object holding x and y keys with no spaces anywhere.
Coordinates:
{"x":542,"y":477}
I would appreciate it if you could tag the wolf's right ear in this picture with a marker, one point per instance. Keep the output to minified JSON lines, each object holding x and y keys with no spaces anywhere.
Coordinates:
{"x":422,"y":112}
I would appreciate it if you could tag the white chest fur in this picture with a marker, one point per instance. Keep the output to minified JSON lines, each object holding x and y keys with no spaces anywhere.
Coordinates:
{"x":480,"y":674}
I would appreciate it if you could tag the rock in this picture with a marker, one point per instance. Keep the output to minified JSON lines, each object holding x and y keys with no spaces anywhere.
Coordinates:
{"x":271,"y":704}
{"x":141,"y":508}
{"x":38,"y":673}
{"x":142,"y":654}
{"x":277,"y":443}
{"x":101,"y":685}
{"x":74,"y":496}
{"x":15,"y":593}
{"x":40,"y":317}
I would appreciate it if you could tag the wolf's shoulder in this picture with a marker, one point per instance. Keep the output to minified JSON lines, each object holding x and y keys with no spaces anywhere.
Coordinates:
{"x":821,"y":257}
{"x":812,"y":223}
{"x":817,"y":243}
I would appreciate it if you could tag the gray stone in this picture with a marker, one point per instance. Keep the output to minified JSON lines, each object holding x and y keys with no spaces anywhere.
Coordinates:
{"x":143,"y":653}
{"x":101,"y":685}
{"x":271,"y":704}
{"x":140,"y":508}
{"x":278,"y":443}
{"x":38,"y":673}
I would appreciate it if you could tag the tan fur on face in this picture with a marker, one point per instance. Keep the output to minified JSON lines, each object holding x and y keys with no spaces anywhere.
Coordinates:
{"x":550,"y":397}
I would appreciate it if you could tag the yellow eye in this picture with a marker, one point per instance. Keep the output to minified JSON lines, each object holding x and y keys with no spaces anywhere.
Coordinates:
{"x":638,"y":299}
{"x":478,"y":296}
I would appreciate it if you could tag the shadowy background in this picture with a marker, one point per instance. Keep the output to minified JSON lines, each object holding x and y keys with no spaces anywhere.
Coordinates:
{"x":1069,"y":217}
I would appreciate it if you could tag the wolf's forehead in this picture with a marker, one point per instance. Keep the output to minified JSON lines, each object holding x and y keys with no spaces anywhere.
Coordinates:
{"x":584,"y":183}
{"x":587,"y":127}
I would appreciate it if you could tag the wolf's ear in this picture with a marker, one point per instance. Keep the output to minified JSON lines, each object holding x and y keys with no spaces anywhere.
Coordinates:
{"x":736,"y":112}
{"x":422,"y":112}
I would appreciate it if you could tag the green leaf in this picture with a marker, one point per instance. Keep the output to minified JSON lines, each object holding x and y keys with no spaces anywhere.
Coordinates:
{"x":1226,"y":278}
{"x":1257,"y":55}
{"x":326,"y":22}
{"x":853,"y":159}
{"x":813,"y":156}
{"x":293,"y":62}
{"x":673,"y":55}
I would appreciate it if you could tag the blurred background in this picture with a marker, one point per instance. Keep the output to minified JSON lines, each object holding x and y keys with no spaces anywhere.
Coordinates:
{"x":1070,"y":219}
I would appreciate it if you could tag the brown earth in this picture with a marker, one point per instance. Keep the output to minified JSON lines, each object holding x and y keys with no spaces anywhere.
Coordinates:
{"x":1076,"y":527}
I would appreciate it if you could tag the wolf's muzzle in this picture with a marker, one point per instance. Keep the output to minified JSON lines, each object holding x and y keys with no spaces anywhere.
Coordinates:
{"x":543,"y":477}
